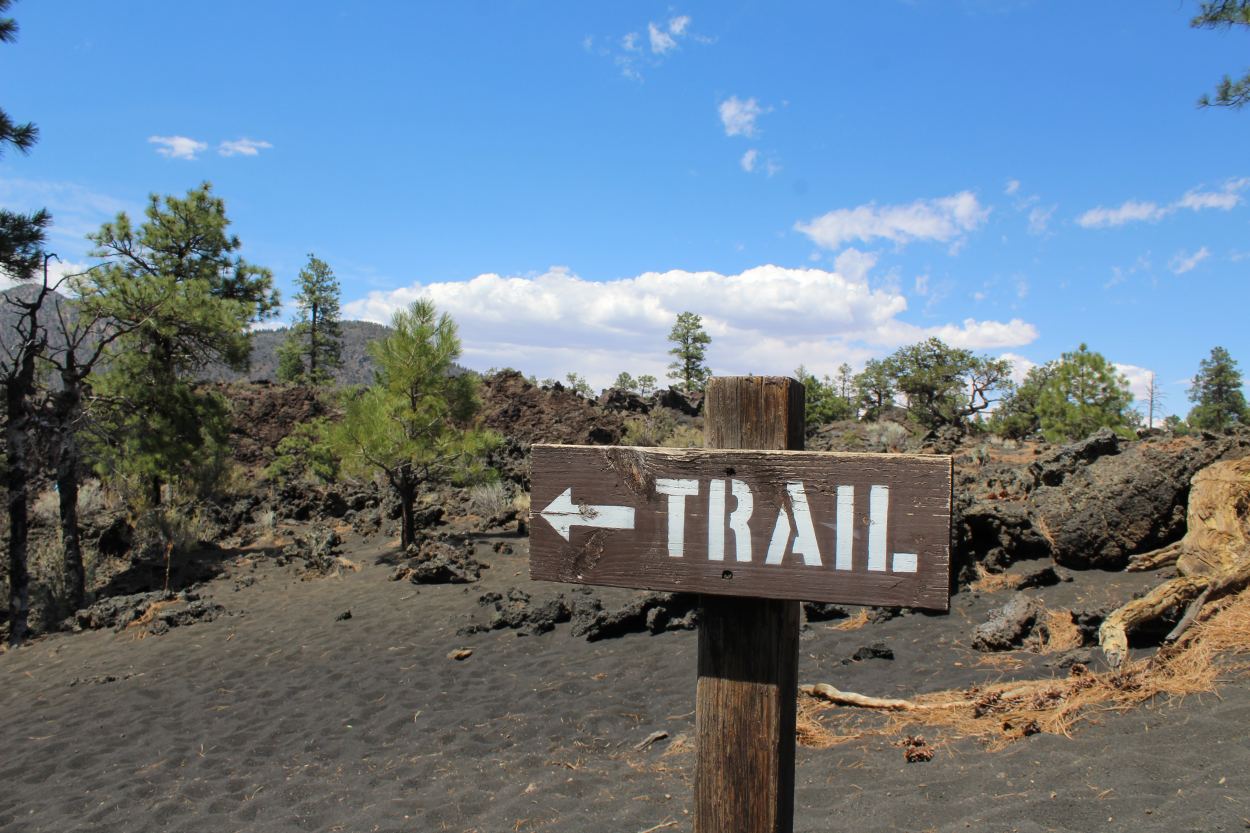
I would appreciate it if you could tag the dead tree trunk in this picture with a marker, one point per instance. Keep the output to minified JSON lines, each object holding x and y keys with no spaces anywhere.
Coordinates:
{"x":17,"y":481}
{"x":68,"y":465}
{"x":1212,"y":560}
{"x":18,"y":381}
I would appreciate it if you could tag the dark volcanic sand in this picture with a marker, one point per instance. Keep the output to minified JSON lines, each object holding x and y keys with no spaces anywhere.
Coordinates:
{"x":283,"y":717}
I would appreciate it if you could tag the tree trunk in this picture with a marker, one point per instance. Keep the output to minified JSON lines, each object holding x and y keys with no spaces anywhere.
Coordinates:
{"x":71,"y":544}
{"x":154,"y":491}
{"x":312,"y":346}
{"x":407,"y":497}
{"x":17,"y":430}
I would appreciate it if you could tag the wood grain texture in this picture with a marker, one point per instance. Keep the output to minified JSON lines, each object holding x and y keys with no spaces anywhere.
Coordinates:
{"x":745,"y":702}
{"x":917,"y":521}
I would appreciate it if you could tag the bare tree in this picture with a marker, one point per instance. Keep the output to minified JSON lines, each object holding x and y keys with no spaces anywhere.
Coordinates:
{"x":18,"y":378}
{"x":81,"y":344}
{"x":1154,"y":401}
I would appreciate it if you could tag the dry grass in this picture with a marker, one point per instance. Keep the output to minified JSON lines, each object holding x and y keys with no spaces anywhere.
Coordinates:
{"x":854,"y":623}
{"x":45,"y":509}
{"x":1005,"y":661}
{"x":486,"y":500}
{"x":1055,"y":631}
{"x":1214,"y":649}
{"x":811,"y":732}
{"x":988,"y":582}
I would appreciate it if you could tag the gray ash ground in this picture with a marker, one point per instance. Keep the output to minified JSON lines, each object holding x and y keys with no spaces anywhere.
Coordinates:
{"x":288,"y":716}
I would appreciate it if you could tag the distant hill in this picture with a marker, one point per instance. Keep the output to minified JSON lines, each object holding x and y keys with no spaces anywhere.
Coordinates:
{"x":11,"y":314}
{"x":357,"y":365}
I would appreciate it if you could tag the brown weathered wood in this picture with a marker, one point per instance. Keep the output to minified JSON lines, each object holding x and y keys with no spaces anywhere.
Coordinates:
{"x":748,"y":648}
{"x":1212,"y":560}
{"x":918,"y":522}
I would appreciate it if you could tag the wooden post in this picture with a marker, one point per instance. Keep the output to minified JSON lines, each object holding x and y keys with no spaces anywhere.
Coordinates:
{"x":748,"y":648}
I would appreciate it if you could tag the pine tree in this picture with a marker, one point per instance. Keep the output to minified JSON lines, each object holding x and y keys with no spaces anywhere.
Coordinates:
{"x":944,"y":385}
{"x":1017,"y":416}
{"x":689,"y":367}
{"x":1225,"y":14}
{"x":188,"y":299}
{"x":846,"y":382}
{"x":1216,"y":393}
{"x":1084,"y":393}
{"x":21,"y":235}
{"x":313,"y":349}
{"x":874,"y":389}
{"x":415,"y":424}
{"x":823,"y":405}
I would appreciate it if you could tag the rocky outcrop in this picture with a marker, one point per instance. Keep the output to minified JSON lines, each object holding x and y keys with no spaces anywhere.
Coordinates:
{"x":1009,"y":625}
{"x":524,"y":414}
{"x":1104,"y":499}
{"x":1091,"y":504}
{"x":434,"y":561}
{"x":262,"y":415}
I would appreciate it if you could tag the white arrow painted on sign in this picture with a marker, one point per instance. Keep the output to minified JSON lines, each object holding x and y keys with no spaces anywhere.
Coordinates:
{"x":563,"y":514}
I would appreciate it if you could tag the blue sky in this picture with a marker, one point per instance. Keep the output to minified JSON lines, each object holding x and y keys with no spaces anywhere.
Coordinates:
{"x":823,"y":182}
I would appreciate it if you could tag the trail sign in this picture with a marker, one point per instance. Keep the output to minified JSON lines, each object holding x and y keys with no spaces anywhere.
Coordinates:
{"x":870,"y":529}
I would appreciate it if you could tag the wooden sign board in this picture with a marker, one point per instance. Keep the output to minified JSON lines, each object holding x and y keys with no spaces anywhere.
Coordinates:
{"x":867,"y":529}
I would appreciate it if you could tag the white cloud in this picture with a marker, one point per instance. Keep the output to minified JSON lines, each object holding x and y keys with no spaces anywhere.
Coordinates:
{"x":1182,"y":263}
{"x":1198,"y":200}
{"x":177,"y":147}
{"x":985,"y":335}
{"x":768,"y":319}
{"x":661,"y":40}
{"x":664,"y":38}
{"x":1226,"y":198}
{"x":76,"y":210}
{"x":1013,"y":185}
{"x":58,"y":272}
{"x":764,"y":320}
{"x":1039,"y":219}
{"x":1020,"y":366}
{"x":1131,"y":211}
{"x":1138,"y":380}
{"x":632,"y":55}
{"x":739,"y":116}
{"x":944,"y":219}
{"x":855,"y":264}
{"x":243,"y":147}
{"x":748,"y":160}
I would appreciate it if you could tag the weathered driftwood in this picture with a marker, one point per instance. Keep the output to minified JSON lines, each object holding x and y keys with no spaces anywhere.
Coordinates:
{"x":824,"y":691}
{"x":1212,"y":560}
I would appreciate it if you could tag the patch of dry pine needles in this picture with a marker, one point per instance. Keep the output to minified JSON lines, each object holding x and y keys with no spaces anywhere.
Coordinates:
{"x":1215,"y":649}
{"x":989,"y":582}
